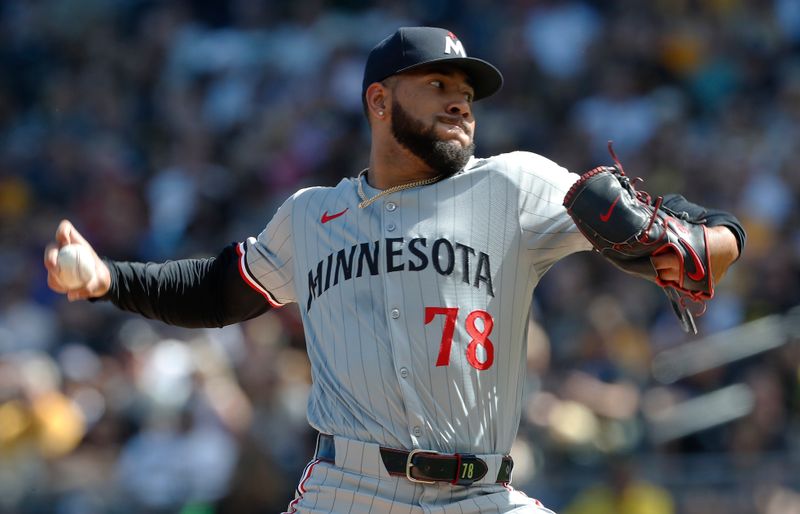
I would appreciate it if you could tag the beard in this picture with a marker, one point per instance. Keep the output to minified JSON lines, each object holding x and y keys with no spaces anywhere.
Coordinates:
{"x":445,"y":157}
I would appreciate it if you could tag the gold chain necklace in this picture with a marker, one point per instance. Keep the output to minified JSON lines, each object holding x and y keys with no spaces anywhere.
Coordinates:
{"x":368,"y":201}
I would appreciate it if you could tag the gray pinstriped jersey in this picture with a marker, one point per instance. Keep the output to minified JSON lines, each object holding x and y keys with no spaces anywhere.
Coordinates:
{"x":415,"y":307}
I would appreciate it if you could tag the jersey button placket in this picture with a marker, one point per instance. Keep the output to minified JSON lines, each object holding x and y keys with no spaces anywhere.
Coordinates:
{"x":389,"y":219}
{"x":397,"y":329}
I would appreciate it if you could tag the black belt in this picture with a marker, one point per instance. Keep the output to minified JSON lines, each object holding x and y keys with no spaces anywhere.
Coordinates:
{"x":426,"y":466}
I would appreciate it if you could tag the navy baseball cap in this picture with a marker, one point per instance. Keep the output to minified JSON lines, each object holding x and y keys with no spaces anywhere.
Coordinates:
{"x":413,"y":47}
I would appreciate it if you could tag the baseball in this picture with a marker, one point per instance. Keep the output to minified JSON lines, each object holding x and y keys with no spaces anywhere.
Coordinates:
{"x":75,"y":266}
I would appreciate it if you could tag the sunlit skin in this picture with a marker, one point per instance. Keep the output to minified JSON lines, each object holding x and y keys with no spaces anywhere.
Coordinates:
{"x":436,"y":95}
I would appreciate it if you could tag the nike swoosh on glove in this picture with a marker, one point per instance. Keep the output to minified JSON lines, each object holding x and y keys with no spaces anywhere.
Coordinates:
{"x":628,"y":228}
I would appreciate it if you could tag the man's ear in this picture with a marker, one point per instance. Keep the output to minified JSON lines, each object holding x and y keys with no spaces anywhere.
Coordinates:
{"x":376,"y":98}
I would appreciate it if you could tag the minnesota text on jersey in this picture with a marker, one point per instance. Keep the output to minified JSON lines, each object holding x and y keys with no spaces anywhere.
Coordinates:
{"x":441,"y":255}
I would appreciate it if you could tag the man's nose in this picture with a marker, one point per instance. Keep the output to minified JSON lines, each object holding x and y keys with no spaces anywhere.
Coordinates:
{"x":460,"y":108}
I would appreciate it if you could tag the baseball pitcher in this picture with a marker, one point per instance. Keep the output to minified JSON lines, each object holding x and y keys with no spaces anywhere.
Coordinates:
{"x":414,"y":279}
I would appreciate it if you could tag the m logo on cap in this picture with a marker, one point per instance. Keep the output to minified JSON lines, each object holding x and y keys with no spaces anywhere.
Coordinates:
{"x":453,"y":45}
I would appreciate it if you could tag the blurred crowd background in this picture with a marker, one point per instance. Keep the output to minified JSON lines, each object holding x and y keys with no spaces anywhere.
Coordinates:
{"x":168,"y":129}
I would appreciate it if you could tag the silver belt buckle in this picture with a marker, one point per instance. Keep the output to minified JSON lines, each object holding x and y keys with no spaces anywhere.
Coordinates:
{"x":409,"y":465}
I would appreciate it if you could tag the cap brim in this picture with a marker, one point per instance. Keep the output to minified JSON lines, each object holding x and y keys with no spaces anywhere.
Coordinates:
{"x":484,"y":78}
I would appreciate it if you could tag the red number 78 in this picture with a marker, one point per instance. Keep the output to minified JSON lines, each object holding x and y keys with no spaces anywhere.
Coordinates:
{"x":479,"y":337}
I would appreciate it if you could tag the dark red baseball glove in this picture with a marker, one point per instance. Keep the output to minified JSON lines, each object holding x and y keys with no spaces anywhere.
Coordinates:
{"x":628,"y":228}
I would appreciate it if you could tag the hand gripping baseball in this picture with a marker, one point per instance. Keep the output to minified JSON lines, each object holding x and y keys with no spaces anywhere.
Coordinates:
{"x":629,"y":229}
{"x":96,"y":283}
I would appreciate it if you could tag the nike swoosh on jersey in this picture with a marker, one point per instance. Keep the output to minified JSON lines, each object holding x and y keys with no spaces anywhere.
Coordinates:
{"x":605,"y":217}
{"x":326,"y":217}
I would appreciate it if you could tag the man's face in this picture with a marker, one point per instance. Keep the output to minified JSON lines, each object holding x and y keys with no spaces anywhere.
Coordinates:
{"x":432,"y":117}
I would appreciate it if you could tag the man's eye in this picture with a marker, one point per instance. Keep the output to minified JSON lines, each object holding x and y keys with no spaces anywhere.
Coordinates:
{"x":468,"y":96}
{"x":436,"y":83}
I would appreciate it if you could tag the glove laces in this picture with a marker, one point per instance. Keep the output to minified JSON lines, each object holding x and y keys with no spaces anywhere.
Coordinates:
{"x":642,"y":196}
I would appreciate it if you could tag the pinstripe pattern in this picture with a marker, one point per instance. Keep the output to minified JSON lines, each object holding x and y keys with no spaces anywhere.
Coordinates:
{"x":477,"y":241}
{"x":358,"y":483}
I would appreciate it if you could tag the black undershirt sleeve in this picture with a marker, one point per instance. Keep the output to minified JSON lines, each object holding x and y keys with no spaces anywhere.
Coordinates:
{"x":711,"y":217}
{"x":190,"y":293}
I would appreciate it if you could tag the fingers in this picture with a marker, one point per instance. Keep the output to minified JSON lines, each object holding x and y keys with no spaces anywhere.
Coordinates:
{"x":667,"y":266}
{"x":51,"y":257}
{"x":79,"y":294}
{"x":97,"y":286}
{"x":71,"y":234}
{"x":64,"y":233}
{"x":62,"y":238}
{"x":67,"y":234}
{"x":51,"y":265}
{"x":54,"y":284}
